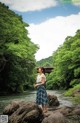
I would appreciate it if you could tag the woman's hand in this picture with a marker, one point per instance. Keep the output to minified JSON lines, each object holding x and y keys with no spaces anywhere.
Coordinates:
{"x":35,"y":85}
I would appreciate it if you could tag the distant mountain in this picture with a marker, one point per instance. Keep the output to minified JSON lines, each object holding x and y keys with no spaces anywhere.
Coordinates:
{"x":47,"y":62}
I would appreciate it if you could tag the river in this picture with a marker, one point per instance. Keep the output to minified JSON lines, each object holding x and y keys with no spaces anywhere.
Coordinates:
{"x":30,"y":96}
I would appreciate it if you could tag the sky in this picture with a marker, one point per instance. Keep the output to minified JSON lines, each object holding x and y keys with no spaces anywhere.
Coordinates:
{"x":50,"y":21}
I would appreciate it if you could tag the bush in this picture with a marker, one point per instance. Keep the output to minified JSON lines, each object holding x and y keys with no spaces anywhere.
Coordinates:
{"x":71,"y":91}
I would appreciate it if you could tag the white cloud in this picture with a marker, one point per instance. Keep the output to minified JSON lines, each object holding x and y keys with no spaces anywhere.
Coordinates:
{"x":29,"y":5}
{"x":52,"y":33}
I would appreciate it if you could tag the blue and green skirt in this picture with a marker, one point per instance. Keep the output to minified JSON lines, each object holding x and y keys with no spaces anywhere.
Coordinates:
{"x":41,"y":98}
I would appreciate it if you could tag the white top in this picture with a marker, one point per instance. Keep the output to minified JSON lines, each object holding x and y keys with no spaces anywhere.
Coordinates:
{"x":39,"y":77}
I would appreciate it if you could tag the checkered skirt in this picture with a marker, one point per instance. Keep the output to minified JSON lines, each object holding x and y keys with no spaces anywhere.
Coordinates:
{"x":41,"y":98}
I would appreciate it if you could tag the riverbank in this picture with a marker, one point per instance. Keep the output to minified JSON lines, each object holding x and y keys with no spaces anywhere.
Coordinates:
{"x":29,"y":112}
{"x":30,"y":96}
{"x":74,"y":93}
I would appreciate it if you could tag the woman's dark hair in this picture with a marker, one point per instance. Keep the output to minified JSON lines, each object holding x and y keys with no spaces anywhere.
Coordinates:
{"x":43,"y":69}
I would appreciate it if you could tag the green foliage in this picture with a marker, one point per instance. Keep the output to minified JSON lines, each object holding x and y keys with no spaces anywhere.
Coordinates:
{"x":75,"y":90}
{"x":77,"y":99}
{"x":72,"y":90}
{"x":77,"y":72}
{"x":47,"y":62}
{"x":66,"y":64}
{"x":74,"y":82}
{"x":17,"y":61}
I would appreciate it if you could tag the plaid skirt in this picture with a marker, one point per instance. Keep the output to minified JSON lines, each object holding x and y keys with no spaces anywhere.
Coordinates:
{"x":41,"y":98}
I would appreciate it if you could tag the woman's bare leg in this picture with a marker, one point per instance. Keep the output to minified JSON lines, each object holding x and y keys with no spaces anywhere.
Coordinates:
{"x":45,"y":108}
{"x":41,"y":107}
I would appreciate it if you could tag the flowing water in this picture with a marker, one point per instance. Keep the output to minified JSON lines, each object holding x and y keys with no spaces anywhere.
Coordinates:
{"x":30,"y":96}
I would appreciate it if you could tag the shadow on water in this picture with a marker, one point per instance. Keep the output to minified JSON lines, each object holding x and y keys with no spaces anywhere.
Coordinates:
{"x":30,"y":96}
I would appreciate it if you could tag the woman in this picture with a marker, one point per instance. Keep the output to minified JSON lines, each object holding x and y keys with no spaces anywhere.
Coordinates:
{"x":41,"y":99}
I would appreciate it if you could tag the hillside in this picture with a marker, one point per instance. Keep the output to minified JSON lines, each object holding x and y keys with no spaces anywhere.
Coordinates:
{"x":66,"y":60}
{"x":17,"y":61}
{"x":47,"y":62}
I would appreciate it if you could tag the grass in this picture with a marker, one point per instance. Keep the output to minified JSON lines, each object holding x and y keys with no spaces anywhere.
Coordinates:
{"x":77,"y":99}
{"x":73,"y":92}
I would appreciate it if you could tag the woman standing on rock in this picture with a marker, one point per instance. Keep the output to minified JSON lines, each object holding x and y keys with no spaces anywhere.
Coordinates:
{"x":41,"y":98}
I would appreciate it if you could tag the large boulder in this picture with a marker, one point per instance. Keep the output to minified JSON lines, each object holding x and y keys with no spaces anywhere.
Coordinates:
{"x":56,"y":117}
{"x":76,"y":110}
{"x":53,"y":100}
{"x":11,"y":108}
{"x":65,"y":110}
{"x":24,"y":113}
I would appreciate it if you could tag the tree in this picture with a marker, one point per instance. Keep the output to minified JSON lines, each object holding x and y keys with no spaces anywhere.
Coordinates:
{"x":17,"y":60}
{"x":66,"y":63}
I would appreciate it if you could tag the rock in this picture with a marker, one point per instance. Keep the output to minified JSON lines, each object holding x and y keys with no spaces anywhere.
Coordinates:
{"x":53,"y":101}
{"x":65,"y":110}
{"x":76,"y":92}
{"x":32,"y":117}
{"x":11,"y":108}
{"x":29,"y":112}
{"x":56,"y":117}
{"x":76,"y":111}
{"x":25,"y":113}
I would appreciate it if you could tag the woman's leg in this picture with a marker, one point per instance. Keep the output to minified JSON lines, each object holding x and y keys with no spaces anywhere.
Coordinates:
{"x":45,"y":108}
{"x":41,"y":107}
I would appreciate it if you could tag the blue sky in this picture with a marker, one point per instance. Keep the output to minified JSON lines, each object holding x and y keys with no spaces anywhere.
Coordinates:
{"x":51,"y":21}
{"x":37,"y":17}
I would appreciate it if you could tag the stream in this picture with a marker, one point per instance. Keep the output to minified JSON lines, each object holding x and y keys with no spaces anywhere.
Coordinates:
{"x":30,"y":96}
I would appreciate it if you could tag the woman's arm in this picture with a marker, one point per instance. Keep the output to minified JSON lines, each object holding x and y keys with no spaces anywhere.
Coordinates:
{"x":41,"y":83}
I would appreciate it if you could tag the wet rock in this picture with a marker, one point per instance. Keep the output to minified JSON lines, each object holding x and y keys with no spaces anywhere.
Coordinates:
{"x":53,"y":100}
{"x":56,"y":117}
{"x":65,"y":110}
{"x":25,"y":113}
{"x":11,"y":108}
{"x":76,"y":111}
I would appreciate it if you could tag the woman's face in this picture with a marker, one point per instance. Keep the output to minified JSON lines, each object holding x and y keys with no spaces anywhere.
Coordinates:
{"x":40,"y":70}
